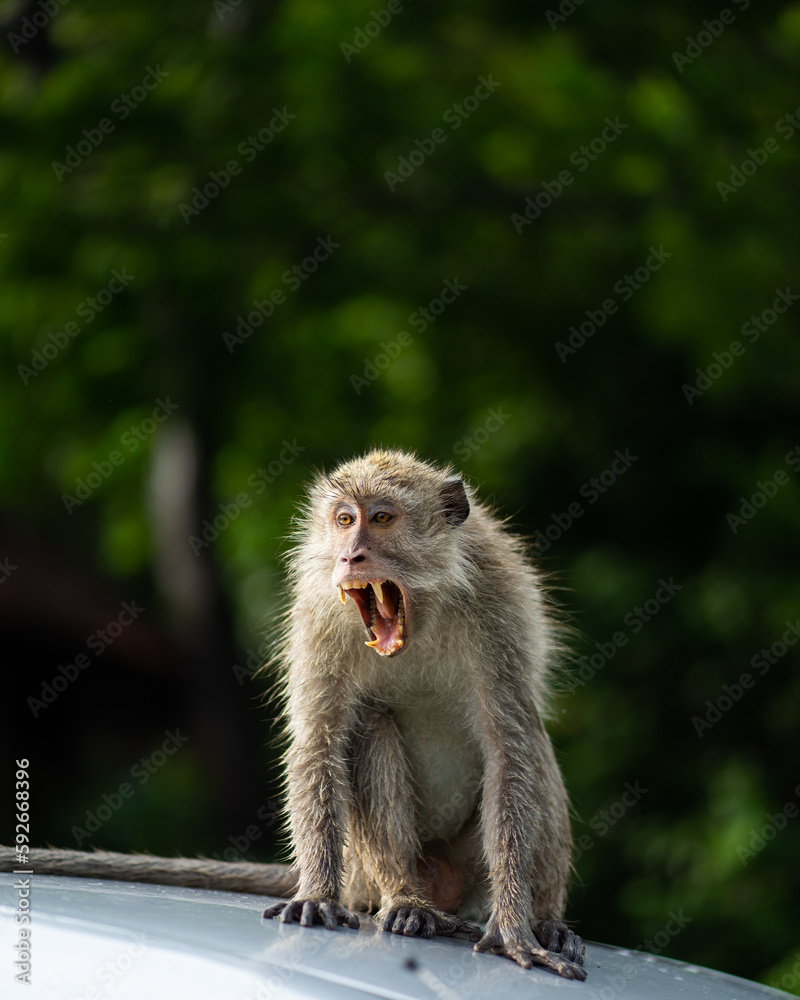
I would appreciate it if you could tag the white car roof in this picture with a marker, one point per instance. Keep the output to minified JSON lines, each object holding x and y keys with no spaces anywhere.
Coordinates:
{"x":93,"y":939}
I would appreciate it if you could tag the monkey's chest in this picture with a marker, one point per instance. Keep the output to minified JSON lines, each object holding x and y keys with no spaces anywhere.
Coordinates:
{"x":444,"y":761}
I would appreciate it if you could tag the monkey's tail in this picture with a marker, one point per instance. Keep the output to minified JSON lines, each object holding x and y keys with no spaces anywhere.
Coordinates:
{"x":197,"y":873}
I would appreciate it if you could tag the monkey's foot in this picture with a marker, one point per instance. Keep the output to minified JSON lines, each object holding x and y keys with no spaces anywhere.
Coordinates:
{"x":558,"y":938}
{"x":523,"y":948}
{"x":308,"y":912}
{"x":415,"y":918}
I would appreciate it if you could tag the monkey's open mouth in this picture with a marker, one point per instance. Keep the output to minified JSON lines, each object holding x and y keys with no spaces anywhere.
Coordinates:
{"x":382,"y":610}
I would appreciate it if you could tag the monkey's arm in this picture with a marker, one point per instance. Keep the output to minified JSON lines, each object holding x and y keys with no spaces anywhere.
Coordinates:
{"x":317,"y":784}
{"x":198,"y":873}
{"x":524,"y":850}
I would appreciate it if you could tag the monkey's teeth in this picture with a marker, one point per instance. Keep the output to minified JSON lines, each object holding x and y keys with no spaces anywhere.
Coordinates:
{"x":342,"y":596}
{"x":373,"y":610}
{"x":378,"y":591}
{"x":396,"y":644}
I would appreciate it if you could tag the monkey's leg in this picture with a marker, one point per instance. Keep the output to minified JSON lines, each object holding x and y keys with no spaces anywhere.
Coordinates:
{"x":517,"y":784}
{"x":316,"y":777}
{"x":384,"y":828}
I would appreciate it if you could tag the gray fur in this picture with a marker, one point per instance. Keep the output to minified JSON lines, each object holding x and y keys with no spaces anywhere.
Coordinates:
{"x":198,"y":873}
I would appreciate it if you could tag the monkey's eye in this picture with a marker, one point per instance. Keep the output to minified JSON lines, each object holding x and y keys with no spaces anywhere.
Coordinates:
{"x":382,"y":517}
{"x":345,"y":519}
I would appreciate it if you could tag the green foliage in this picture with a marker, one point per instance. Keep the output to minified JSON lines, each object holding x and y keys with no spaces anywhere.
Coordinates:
{"x":659,"y":186}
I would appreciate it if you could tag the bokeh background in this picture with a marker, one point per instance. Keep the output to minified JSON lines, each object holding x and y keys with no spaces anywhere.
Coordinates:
{"x":609,"y":204}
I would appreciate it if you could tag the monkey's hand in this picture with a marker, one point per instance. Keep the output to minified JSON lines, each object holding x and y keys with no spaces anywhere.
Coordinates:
{"x":416,"y":918}
{"x":557,"y":937}
{"x":308,"y":912}
{"x":522,"y":947}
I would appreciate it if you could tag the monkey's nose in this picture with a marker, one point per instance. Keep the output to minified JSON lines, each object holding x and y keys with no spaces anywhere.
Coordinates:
{"x":354,"y":557}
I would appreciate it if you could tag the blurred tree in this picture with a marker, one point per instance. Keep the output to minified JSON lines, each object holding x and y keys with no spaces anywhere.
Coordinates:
{"x":229,"y":237}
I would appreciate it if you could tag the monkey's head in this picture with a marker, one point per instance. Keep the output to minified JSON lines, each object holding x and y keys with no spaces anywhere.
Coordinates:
{"x":388,"y":520}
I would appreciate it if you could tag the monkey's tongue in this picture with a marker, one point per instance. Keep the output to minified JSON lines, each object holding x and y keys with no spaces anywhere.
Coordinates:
{"x":383,"y":617}
{"x":386,"y":618}
{"x":387,"y":605}
{"x":388,"y":635}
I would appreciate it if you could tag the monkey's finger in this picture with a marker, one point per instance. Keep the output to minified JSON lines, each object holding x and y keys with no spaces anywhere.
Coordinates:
{"x":553,"y":942}
{"x":350,"y":918}
{"x":399,"y":925}
{"x":309,"y":912}
{"x":429,"y":926}
{"x":274,"y":910}
{"x":459,"y":926}
{"x":328,"y":915}
{"x":291,"y":911}
{"x":557,"y":964}
{"x":566,"y":969}
{"x":413,"y":923}
{"x":519,"y":955}
{"x":573,"y":949}
{"x":489,"y":942}
{"x":389,"y":919}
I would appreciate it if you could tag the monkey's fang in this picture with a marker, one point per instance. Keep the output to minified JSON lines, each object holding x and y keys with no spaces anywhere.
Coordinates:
{"x":382,"y":609}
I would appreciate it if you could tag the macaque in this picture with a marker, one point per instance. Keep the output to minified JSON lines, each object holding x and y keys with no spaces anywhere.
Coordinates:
{"x":416,"y":657}
{"x":421,"y":781}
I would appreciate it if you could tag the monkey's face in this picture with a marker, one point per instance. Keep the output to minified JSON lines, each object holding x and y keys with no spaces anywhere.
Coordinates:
{"x":367,"y":567}
{"x":389,"y":535}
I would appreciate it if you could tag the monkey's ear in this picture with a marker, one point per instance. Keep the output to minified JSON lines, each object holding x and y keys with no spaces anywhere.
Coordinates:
{"x":455,"y":505}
